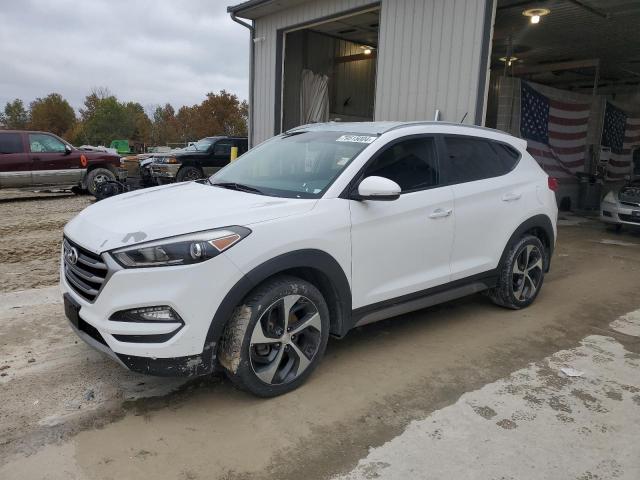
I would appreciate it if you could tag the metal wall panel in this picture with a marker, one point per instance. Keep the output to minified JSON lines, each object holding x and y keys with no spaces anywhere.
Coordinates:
{"x":430,"y":58}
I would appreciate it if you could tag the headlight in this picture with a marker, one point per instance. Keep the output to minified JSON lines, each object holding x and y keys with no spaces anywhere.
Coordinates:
{"x":170,"y":160}
{"x":180,"y":250}
{"x":610,"y":198}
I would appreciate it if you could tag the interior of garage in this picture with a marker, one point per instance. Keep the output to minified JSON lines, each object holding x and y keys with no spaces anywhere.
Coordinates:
{"x":330,"y":70}
{"x":580,"y":59}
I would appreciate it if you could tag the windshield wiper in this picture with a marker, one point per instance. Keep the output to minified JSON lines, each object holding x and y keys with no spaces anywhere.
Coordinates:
{"x":237,"y":186}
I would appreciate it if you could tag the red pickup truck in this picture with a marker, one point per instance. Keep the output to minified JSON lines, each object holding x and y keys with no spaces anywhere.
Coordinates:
{"x":40,"y":159}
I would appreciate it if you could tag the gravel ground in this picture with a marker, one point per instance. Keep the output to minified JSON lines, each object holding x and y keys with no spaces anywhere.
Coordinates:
{"x":70,"y":413}
{"x":31,"y":231}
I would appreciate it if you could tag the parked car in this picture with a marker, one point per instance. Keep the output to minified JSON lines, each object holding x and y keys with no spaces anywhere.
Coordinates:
{"x":312,"y":233}
{"x":622,"y":207}
{"x":31,"y":159}
{"x":138,"y":169}
{"x":198,"y":160}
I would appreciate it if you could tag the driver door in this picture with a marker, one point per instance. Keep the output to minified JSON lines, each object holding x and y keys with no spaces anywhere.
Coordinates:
{"x":403,"y":246}
{"x":51,"y":163}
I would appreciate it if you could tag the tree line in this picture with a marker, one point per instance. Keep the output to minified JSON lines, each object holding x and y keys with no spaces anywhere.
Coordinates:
{"x":104,"y":118}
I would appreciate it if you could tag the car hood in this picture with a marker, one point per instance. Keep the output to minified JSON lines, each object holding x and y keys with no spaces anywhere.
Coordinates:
{"x":174,"y":209}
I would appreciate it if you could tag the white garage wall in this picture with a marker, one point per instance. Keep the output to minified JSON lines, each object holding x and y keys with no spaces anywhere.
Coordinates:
{"x":430,"y":57}
{"x":265,"y":55}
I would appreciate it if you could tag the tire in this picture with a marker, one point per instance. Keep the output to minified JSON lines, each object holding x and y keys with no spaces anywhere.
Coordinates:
{"x":189,"y":173}
{"x":521,"y":275}
{"x":98,"y":175}
{"x":261,"y":349}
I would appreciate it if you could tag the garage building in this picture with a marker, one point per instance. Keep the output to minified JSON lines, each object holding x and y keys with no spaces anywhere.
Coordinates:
{"x":564,"y":74}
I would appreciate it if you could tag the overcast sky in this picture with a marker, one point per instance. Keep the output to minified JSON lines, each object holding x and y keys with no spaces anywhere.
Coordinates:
{"x":148,"y":51}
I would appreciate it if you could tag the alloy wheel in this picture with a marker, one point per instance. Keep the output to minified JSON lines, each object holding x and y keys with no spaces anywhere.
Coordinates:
{"x":527,"y":272}
{"x":191,"y":175}
{"x":285,"y":339}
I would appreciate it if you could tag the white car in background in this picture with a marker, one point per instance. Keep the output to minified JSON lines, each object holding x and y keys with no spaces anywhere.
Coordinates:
{"x":622,"y":207}
{"x":312,"y":233}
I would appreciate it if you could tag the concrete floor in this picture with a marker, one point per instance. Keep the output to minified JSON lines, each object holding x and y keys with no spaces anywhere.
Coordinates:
{"x":464,"y":390}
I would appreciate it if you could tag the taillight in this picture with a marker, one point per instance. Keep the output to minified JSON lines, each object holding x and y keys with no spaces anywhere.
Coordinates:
{"x":553,"y":183}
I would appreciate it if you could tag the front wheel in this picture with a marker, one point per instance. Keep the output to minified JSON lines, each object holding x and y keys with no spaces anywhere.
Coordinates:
{"x":521,"y":275}
{"x":98,"y":176}
{"x":188,"y":174}
{"x":276,"y":338}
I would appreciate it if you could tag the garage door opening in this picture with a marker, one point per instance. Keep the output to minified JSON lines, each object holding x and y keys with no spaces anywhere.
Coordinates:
{"x":329,"y":71}
{"x":565,"y":76}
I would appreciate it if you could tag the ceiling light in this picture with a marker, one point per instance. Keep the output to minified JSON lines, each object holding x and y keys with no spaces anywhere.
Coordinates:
{"x":367,"y":51}
{"x":509,"y":61}
{"x":535,"y":14}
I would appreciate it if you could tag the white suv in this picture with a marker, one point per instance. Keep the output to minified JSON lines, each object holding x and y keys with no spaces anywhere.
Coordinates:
{"x":310,"y":234}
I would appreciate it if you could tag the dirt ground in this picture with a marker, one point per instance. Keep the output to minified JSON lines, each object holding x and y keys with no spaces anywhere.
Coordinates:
{"x":67,"y":412}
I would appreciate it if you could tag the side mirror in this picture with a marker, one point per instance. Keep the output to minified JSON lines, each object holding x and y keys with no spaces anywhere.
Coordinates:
{"x":378,"y":188}
{"x":67,"y":150}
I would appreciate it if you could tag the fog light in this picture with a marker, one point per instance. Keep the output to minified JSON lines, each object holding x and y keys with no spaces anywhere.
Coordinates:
{"x":161,"y":313}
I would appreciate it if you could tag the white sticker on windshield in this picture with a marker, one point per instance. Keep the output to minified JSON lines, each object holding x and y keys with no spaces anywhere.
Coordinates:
{"x":356,"y":138}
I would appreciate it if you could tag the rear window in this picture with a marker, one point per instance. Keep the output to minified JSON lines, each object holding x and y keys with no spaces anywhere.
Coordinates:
{"x":11,"y":143}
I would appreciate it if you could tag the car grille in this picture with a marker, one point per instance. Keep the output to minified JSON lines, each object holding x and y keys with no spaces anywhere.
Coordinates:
{"x":87,"y":274}
{"x":629,"y":218}
{"x":630,"y":204}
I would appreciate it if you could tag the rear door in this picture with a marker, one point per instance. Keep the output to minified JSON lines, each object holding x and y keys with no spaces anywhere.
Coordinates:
{"x":51,"y":163}
{"x":489,"y":197}
{"x":401,"y":247}
{"x":15,"y":165}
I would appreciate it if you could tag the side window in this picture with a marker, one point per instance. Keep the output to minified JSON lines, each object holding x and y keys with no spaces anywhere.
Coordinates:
{"x":43,"y":143}
{"x":222,"y":148}
{"x":412,"y":164}
{"x":472,"y":159}
{"x":11,"y":143}
{"x":508,"y":155}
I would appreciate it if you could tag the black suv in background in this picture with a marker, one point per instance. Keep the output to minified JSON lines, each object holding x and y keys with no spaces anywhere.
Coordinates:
{"x":202,"y":158}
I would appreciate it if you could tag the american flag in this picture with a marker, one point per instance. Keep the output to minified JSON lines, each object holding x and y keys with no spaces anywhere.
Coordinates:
{"x":556,"y":132}
{"x":621,"y":133}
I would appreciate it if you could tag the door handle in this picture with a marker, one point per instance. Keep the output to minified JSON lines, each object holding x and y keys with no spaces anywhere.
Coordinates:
{"x":441,"y":213}
{"x":511,"y":197}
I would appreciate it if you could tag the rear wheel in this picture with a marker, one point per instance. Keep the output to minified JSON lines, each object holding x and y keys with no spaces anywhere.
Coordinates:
{"x":98,"y":176}
{"x":189,"y":173}
{"x":521,"y":275}
{"x":276,"y":338}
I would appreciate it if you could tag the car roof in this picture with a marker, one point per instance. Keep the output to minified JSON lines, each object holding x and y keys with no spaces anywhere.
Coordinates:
{"x":379,"y":128}
{"x":26,"y":131}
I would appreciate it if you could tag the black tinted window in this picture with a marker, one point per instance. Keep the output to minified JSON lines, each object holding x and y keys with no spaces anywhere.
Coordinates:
{"x":412,"y":164}
{"x":223,"y":149}
{"x":472,"y":159}
{"x":11,"y":143}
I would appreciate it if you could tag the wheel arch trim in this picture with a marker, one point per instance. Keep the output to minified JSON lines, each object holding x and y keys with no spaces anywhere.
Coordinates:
{"x":542,"y":222}
{"x":313,"y":259}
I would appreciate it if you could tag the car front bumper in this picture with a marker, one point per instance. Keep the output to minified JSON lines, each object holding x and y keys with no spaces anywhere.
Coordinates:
{"x":193,"y":291}
{"x":619,"y":214}
{"x":169,"y":170}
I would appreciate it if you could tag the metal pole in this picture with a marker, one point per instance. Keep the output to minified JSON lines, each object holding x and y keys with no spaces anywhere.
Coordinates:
{"x":252,"y":31}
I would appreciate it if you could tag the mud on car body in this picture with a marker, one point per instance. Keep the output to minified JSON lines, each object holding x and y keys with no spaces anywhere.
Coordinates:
{"x":316,"y":231}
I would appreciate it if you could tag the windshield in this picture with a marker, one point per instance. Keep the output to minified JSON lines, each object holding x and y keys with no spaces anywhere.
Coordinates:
{"x":297,"y":165}
{"x":201,"y":145}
